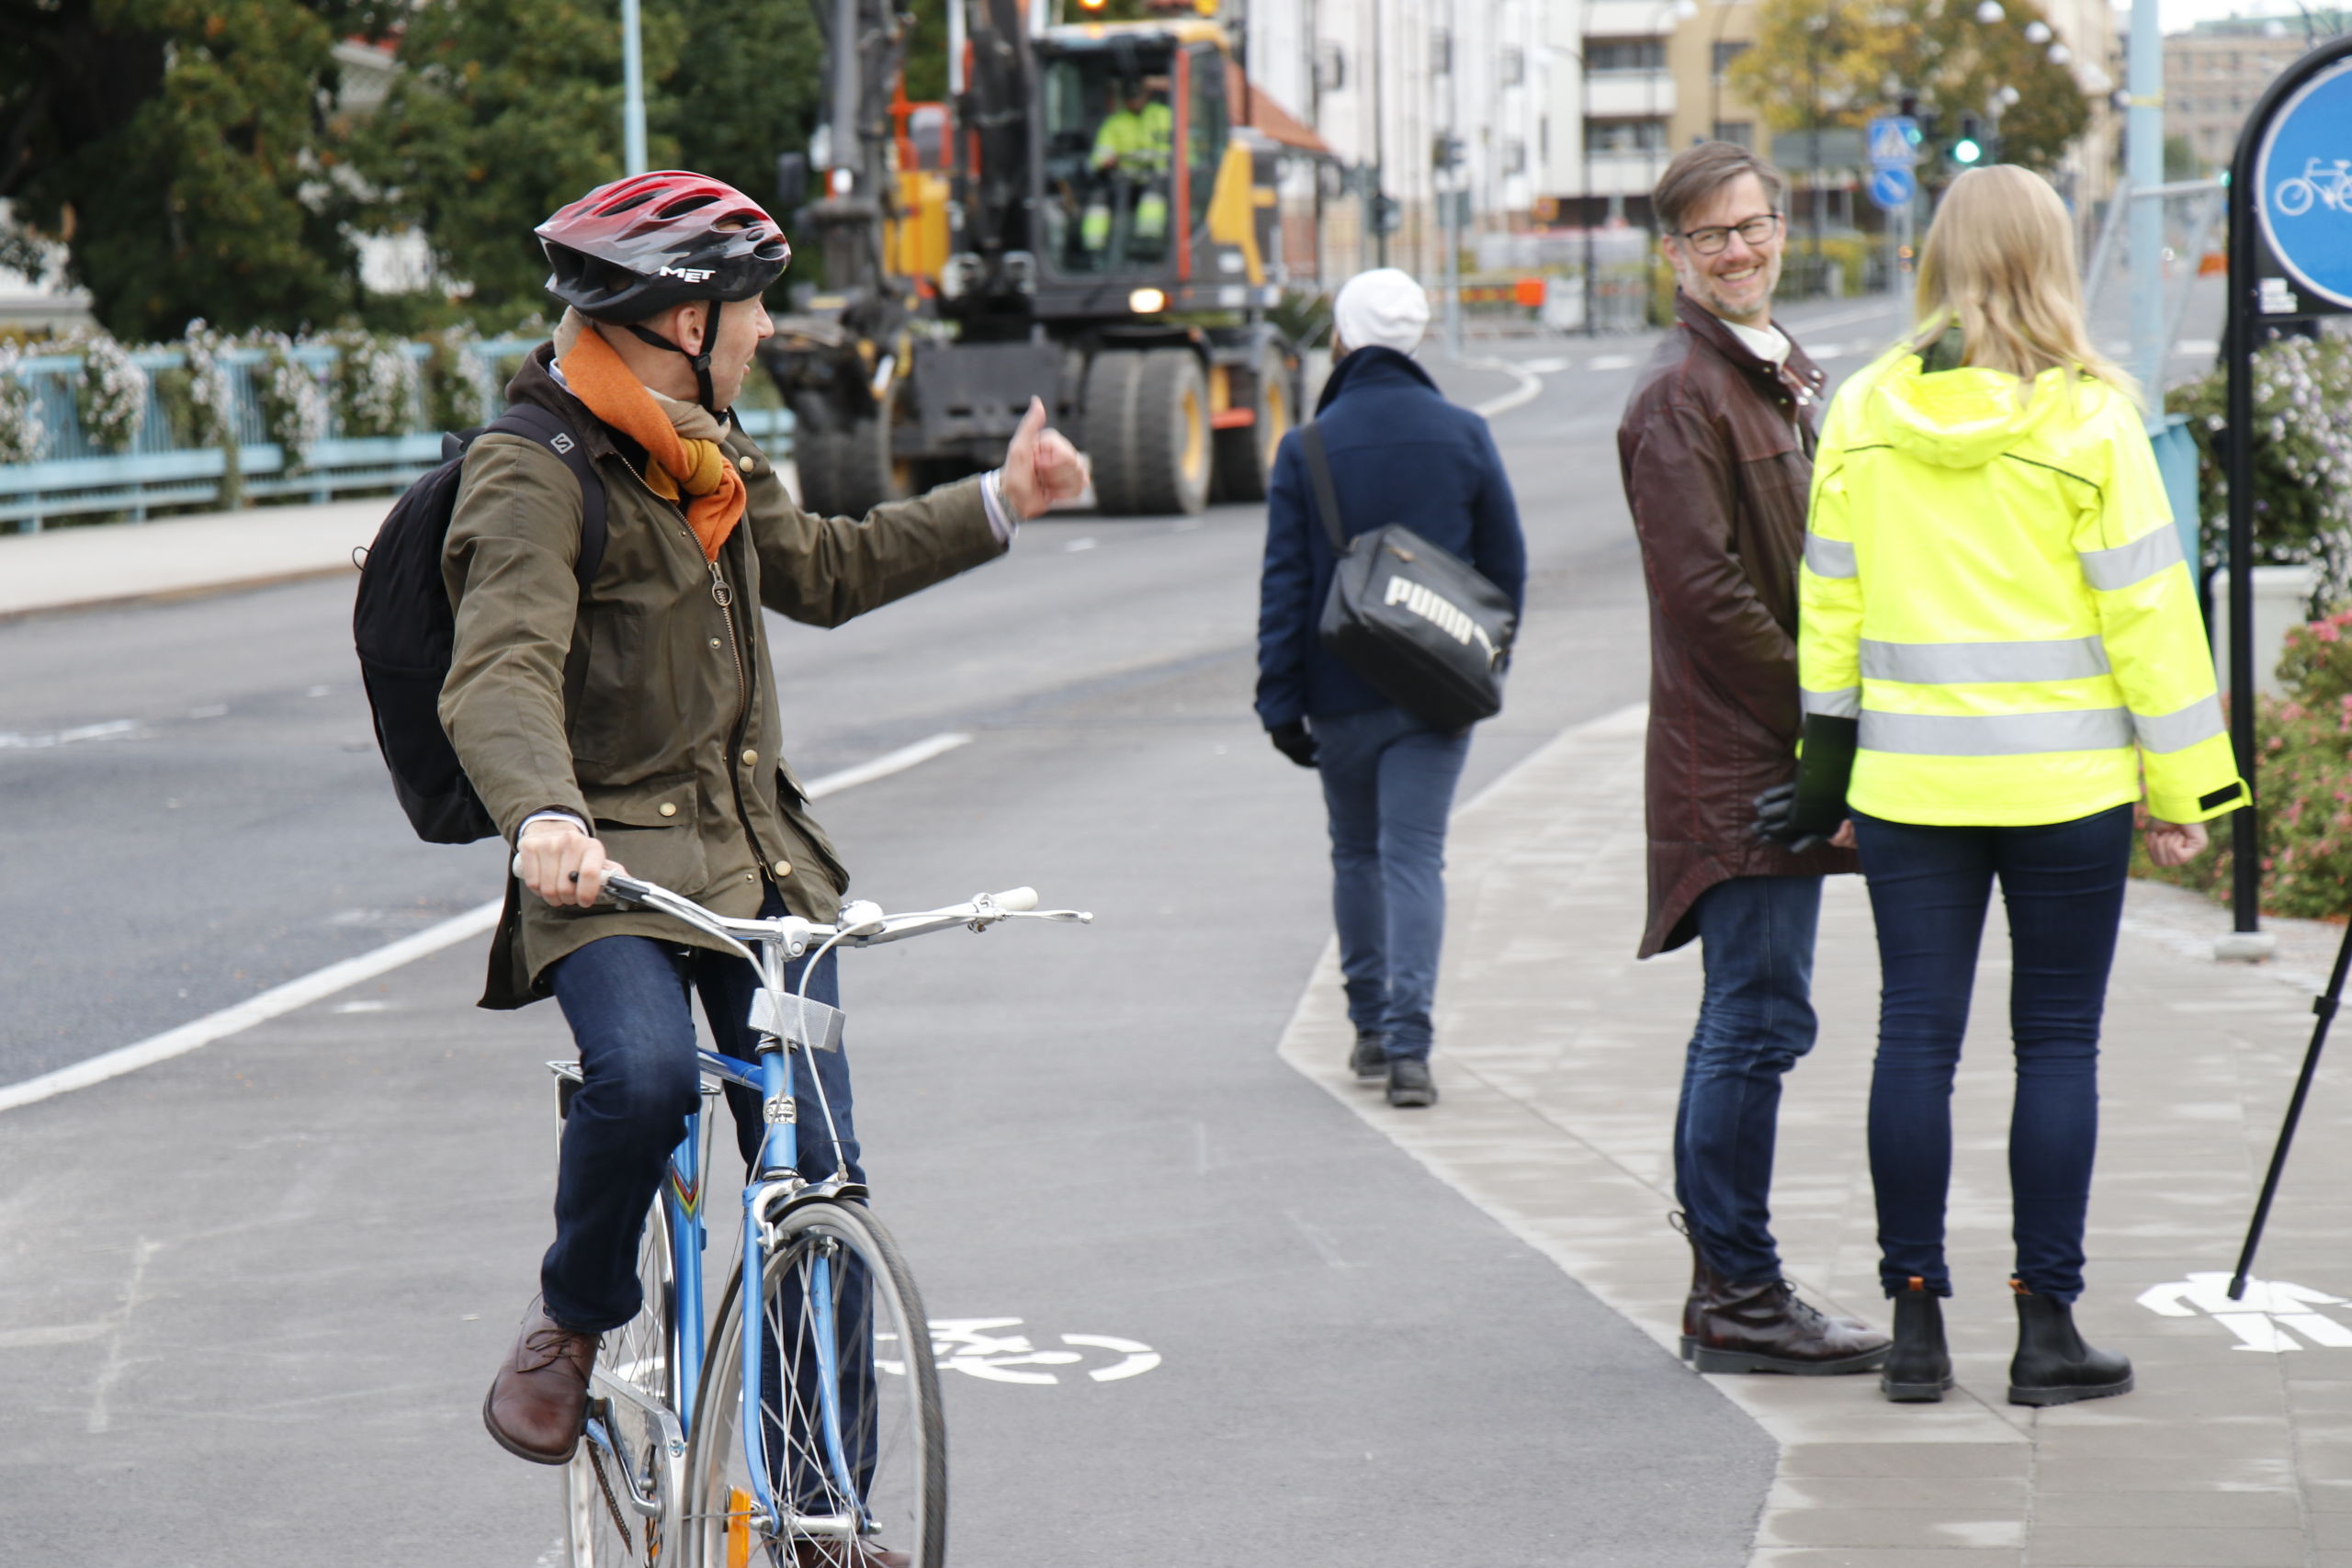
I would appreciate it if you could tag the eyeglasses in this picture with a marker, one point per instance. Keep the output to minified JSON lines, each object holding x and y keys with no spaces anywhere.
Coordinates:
{"x":1755,"y":230}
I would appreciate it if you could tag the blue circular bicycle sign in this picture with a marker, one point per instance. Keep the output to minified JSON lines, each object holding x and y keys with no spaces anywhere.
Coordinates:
{"x":2304,"y":186}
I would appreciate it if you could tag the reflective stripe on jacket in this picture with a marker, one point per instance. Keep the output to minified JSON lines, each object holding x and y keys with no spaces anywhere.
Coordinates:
{"x":1993,"y":587}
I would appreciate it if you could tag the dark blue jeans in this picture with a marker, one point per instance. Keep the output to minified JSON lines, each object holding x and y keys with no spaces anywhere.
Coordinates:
{"x":626,"y":999}
{"x":1755,"y":1020}
{"x":1388,"y":787}
{"x":2064,"y":885}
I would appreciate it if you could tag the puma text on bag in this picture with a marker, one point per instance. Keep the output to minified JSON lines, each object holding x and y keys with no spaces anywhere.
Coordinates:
{"x":405,"y":627}
{"x":1421,"y":627}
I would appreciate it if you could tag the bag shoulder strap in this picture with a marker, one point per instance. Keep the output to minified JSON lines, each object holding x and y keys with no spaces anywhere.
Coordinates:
{"x":1326,"y":499}
{"x":548,"y":429}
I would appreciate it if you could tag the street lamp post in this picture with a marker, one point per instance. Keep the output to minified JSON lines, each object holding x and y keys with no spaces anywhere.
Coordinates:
{"x":632,"y":91}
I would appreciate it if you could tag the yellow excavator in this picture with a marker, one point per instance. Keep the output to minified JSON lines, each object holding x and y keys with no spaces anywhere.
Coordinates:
{"x":1090,"y":219}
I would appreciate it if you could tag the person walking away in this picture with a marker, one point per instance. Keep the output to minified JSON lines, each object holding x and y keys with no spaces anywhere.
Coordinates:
{"x":637,"y":718}
{"x":2001,"y":640}
{"x":1715,"y":450}
{"x":1398,"y":453}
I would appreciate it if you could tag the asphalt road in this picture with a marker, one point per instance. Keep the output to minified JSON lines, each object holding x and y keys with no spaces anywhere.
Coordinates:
{"x":251,"y":1296}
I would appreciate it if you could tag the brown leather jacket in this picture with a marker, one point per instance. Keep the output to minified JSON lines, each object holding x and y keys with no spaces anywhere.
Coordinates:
{"x":1717,"y":453}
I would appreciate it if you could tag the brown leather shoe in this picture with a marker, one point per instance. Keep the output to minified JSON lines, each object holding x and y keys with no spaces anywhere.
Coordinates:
{"x":538,"y":1401}
{"x":1769,"y":1328}
{"x":808,"y":1553}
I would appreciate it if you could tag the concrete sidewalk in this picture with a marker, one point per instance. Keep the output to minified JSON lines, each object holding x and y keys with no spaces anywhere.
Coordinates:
{"x":1559,"y":1058}
{"x":104,"y":563}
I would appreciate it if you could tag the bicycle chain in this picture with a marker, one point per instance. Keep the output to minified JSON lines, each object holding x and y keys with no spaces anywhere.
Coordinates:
{"x":612,"y":1506}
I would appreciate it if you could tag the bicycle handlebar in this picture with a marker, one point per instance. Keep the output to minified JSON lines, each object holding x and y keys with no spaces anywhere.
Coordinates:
{"x":860,"y":924}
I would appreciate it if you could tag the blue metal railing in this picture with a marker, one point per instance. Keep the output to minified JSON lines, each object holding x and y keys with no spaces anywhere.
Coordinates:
{"x":77,"y":478}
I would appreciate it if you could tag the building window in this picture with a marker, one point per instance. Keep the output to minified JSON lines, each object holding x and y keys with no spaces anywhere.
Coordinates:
{"x":1440,"y":52}
{"x":1514,"y":66}
{"x":1543,"y":138}
{"x":1625,"y":135}
{"x":1725,"y":53}
{"x":1331,"y":68}
{"x":1514,"y":156}
{"x":1738,"y":133}
{"x":1625,"y":55}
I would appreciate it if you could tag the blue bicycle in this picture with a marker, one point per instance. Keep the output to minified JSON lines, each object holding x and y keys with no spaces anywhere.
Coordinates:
{"x":799,"y":1427}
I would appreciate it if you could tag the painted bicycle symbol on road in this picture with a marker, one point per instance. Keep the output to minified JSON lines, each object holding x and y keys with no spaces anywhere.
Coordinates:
{"x":981,"y":1347}
{"x":2330,"y":187}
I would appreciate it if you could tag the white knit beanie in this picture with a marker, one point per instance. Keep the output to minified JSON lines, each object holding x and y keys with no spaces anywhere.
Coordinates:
{"x":1382,"y":307}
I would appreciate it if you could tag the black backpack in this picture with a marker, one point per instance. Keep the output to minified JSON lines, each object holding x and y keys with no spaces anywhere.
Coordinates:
{"x":405,"y":627}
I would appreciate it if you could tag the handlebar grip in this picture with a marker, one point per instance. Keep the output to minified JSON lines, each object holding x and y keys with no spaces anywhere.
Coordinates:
{"x":1016,"y":900}
{"x":620,"y":885}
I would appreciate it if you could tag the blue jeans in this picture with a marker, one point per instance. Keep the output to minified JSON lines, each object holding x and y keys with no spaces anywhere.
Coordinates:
{"x":626,"y":999}
{"x":2063,"y":886}
{"x":1388,"y":787}
{"x":1755,"y":1020}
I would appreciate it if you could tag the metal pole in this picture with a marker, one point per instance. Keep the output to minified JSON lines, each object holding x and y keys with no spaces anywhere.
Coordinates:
{"x":632,"y":91}
{"x":2245,"y":837}
{"x":2325,"y":1007}
{"x":1451,"y":230}
{"x":1379,"y":135}
{"x":955,"y":48}
{"x":2145,"y":148}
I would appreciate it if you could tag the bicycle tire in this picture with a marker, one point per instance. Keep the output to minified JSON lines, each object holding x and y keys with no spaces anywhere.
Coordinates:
{"x":601,"y":1530}
{"x":898,"y":1448}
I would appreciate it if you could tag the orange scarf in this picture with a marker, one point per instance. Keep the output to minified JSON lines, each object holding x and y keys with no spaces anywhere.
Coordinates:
{"x":599,"y":378}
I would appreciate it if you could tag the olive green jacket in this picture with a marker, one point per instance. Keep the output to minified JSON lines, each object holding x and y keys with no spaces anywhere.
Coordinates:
{"x":648,"y":704}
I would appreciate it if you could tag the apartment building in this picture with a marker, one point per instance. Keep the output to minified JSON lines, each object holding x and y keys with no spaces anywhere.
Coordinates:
{"x":2214,"y":71}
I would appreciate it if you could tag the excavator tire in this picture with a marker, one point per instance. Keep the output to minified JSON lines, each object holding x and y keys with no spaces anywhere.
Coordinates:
{"x":1244,"y":456}
{"x":845,"y":471}
{"x":1148,"y":431}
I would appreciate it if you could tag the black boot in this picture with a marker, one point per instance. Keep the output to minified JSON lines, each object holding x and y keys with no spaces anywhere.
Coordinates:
{"x":2053,"y":1365}
{"x":1918,"y":1367}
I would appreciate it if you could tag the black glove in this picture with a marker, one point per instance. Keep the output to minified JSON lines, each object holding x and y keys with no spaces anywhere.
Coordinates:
{"x":1293,"y":742}
{"x":1776,"y":811}
{"x":1803,"y":813}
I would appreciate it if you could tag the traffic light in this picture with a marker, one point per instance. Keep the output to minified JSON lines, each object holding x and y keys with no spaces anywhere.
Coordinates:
{"x":1968,"y":147}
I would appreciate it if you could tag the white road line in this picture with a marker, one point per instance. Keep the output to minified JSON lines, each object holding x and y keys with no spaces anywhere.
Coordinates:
{"x":1530,"y":388}
{"x":19,"y":740}
{"x":1610,"y":362}
{"x":320,"y":984}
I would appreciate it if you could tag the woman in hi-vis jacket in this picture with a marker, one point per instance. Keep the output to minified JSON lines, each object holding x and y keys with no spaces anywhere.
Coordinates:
{"x":2000,"y":638}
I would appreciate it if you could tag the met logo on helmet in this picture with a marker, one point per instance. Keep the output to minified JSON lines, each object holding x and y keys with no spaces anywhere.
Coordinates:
{"x":686,"y":274}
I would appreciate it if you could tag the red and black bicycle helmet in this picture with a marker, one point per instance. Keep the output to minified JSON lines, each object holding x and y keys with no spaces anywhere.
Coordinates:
{"x":637,"y":246}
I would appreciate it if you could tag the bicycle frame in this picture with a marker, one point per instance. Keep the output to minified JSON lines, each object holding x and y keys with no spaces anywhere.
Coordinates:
{"x":787,"y":1024}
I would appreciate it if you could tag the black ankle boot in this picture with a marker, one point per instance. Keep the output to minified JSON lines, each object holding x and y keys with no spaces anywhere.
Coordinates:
{"x":1918,"y":1367}
{"x":2053,"y":1365}
{"x":1704,"y":1280}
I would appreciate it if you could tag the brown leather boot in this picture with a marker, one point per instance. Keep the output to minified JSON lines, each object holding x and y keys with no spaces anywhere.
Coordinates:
{"x":1703,"y":1279}
{"x":1769,"y":1328}
{"x":538,"y":1401}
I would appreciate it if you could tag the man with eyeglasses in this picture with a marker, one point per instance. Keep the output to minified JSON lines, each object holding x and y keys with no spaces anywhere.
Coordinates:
{"x":1715,"y":449}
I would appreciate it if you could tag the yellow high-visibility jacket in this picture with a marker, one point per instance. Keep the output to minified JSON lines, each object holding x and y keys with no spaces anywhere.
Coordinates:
{"x":1993,"y":586}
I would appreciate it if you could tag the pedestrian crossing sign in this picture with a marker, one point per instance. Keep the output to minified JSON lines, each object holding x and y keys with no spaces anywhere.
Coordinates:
{"x":1895,"y":142}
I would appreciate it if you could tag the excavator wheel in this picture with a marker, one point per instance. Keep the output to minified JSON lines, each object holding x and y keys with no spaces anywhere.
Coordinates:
{"x":1245,"y":455}
{"x":846,"y":469}
{"x":1146,"y":415}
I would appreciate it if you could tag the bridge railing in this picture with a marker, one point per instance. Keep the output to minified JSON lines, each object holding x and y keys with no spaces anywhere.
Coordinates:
{"x":77,"y":478}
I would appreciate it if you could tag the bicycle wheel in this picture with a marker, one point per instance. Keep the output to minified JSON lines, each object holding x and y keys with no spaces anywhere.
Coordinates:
{"x":861,"y":1476}
{"x":620,"y":1459}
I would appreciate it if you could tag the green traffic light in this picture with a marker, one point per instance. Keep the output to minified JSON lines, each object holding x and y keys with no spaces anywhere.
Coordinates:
{"x":1966,"y":151}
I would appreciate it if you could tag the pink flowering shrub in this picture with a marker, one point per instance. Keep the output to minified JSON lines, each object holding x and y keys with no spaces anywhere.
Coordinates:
{"x":2304,"y":741}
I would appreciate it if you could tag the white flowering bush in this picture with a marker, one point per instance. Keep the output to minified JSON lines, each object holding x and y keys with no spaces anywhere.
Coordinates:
{"x":23,"y":436}
{"x":110,"y":394}
{"x":294,"y":407}
{"x":462,"y":390}
{"x":2302,"y":452}
{"x":211,"y":389}
{"x":378,"y":387}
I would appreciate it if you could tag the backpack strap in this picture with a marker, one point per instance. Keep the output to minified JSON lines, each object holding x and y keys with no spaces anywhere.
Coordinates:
{"x":548,"y":429}
{"x":1326,"y":499}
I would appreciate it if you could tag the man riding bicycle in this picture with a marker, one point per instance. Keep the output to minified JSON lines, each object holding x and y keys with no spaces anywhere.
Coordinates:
{"x":636,"y":720}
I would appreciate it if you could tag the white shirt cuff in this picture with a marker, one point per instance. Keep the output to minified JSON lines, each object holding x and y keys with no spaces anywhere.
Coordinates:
{"x":1002,"y":520}
{"x":554,"y":812}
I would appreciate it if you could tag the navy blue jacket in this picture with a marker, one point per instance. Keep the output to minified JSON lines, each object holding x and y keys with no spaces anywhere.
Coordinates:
{"x":1400,"y":453}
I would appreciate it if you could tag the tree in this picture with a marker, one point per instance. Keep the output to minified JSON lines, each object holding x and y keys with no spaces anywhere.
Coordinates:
{"x":1867,"y":58}
{"x":187,"y":155}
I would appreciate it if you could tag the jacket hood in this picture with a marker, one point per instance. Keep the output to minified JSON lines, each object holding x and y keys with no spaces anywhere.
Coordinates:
{"x":1957,"y":419}
{"x":1372,"y":362}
